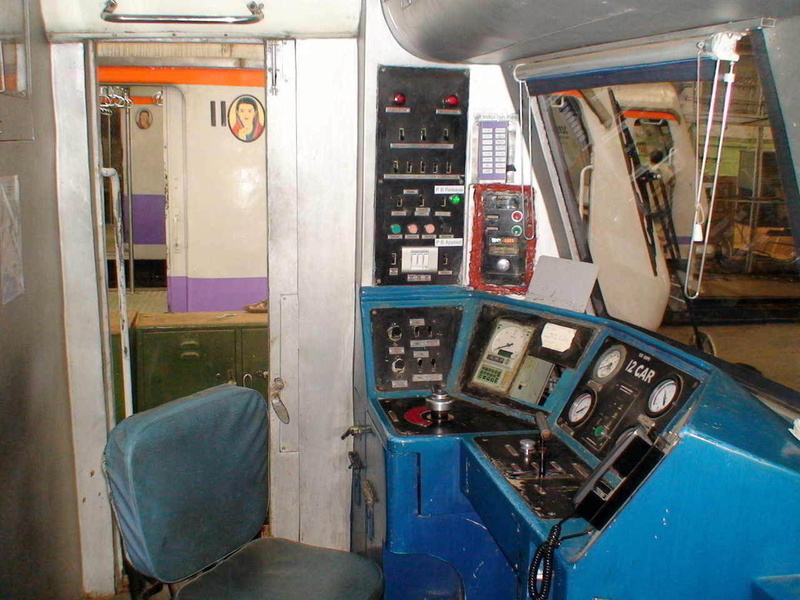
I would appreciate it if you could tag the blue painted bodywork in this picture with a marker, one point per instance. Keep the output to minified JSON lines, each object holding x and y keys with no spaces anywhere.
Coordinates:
{"x":717,"y":518}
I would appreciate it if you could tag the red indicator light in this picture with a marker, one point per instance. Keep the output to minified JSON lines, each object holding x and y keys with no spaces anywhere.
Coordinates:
{"x":451,"y":101}
{"x":399,"y":99}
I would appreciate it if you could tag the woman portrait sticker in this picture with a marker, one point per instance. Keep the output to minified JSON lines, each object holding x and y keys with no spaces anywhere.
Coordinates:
{"x":246,"y":118}
{"x":144,"y":119}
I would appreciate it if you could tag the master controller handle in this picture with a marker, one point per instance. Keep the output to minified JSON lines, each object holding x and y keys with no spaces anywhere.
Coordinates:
{"x":439,"y":403}
{"x":544,"y":428}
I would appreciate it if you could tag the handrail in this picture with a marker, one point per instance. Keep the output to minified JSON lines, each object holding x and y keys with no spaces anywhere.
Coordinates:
{"x":111,"y":5}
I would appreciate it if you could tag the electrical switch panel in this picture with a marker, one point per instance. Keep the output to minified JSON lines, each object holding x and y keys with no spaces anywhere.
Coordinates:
{"x":413,"y":347}
{"x":503,"y":241}
{"x":420,"y":183}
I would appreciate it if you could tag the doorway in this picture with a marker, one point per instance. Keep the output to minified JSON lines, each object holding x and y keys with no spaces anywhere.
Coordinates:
{"x":184,"y":126}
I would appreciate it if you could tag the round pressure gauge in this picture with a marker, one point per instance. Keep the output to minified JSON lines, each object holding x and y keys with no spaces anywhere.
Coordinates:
{"x":610,"y":362}
{"x":580,"y":408}
{"x":663,"y":396}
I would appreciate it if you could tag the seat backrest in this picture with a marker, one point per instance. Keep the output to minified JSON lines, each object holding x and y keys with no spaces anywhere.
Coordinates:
{"x":188,"y":480}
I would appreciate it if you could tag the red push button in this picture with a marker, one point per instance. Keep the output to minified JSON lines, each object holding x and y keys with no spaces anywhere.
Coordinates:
{"x":516,"y":216}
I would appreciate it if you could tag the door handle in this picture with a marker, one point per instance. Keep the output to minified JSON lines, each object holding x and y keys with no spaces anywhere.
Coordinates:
{"x":275,"y":400}
{"x":356,"y":430}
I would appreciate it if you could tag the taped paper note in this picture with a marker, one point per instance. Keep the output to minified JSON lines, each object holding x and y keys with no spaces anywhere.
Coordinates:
{"x":557,"y":337}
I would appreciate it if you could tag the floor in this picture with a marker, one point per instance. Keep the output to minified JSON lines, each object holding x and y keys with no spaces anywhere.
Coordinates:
{"x":773,"y":349}
{"x":746,"y":286}
{"x":142,"y":300}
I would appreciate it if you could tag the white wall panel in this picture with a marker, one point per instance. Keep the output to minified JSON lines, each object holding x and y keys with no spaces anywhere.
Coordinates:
{"x":327,"y":115}
{"x":218,"y":188}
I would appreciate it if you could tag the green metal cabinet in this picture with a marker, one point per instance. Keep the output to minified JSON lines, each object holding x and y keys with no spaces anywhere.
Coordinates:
{"x":116,"y":359}
{"x":178,"y":354}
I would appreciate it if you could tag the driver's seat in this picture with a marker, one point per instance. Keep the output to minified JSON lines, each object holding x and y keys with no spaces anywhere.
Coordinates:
{"x":189,"y":488}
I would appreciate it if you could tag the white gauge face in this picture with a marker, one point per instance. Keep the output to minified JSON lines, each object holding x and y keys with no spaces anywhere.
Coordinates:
{"x":503,"y":355}
{"x":663,"y":396}
{"x":510,"y":340}
{"x":580,"y":408}
{"x":610,"y":363}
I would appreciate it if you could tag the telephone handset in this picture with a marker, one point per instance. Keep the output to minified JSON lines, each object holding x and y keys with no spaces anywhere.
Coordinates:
{"x":632,"y":458}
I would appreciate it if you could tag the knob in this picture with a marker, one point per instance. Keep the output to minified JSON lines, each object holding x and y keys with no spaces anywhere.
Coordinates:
{"x":439,"y":403}
{"x":527,"y":446}
{"x":503,"y":264}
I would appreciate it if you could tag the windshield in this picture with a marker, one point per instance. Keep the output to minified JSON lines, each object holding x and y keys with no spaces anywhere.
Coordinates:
{"x":692,"y":238}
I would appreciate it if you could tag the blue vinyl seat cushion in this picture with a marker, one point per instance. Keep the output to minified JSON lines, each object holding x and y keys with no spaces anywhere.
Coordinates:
{"x":278,"y":569}
{"x":189,"y":481}
{"x":189,"y":487}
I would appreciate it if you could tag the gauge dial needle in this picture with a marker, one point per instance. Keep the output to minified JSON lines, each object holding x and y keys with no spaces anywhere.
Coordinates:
{"x":506,"y":346}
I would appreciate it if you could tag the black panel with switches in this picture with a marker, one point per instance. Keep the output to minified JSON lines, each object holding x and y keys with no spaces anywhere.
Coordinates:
{"x":420,"y":161}
{"x":413,"y":347}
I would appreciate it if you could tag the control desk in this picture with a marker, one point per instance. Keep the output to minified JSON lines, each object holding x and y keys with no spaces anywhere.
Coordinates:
{"x":486,"y":426}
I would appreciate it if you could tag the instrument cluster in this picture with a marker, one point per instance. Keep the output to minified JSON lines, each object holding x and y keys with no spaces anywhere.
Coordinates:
{"x":623,"y":388}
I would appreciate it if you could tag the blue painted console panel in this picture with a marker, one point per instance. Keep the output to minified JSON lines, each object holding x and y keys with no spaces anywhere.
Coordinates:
{"x":716,"y":517}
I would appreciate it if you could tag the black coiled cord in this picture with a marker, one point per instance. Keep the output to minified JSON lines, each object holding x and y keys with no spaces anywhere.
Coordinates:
{"x":543,"y":559}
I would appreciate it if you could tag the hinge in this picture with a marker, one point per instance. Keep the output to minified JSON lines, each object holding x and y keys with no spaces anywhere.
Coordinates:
{"x":274,"y":65}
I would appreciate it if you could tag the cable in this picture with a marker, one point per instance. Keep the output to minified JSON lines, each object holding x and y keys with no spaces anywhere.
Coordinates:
{"x":543,"y":560}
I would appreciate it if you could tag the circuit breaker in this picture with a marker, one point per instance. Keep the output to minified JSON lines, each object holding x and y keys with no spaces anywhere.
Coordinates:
{"x":503,"y":238}
{"x":420,"y":163}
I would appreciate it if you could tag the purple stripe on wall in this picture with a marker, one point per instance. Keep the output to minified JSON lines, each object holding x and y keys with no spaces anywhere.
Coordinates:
{"x":177,"y":295}
{"x":187,"y":294}
{"x":149,"y":221}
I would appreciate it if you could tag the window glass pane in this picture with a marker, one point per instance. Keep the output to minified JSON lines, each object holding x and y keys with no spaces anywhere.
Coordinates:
{"x":630,"y":157}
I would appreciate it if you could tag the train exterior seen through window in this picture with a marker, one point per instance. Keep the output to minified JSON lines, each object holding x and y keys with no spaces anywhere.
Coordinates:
{"x":519,"y":286}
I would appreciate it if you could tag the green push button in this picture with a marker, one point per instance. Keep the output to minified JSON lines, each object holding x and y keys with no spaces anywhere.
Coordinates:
{"x":516,"y":230}
{"x":395,"y":228}
{"x":599,"y":430}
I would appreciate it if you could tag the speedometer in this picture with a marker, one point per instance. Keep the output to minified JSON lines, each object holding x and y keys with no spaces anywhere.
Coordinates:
{"x":503,"y":355}
{"x":609,"y":363}
{"x":663,"y":396}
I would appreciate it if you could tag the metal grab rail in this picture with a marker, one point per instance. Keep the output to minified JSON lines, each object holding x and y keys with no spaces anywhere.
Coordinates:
{"x":255,"y":9}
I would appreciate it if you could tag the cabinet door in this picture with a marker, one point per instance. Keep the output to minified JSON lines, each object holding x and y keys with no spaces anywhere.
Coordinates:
{"x":254,"y":359}
{"x":173,"y":364}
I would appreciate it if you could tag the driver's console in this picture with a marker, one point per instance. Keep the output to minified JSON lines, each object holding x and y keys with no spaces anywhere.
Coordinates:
{"x":485,"y":425}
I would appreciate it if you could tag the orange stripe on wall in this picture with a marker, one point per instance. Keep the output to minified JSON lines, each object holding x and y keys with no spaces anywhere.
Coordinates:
{"x":182,"y":75}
